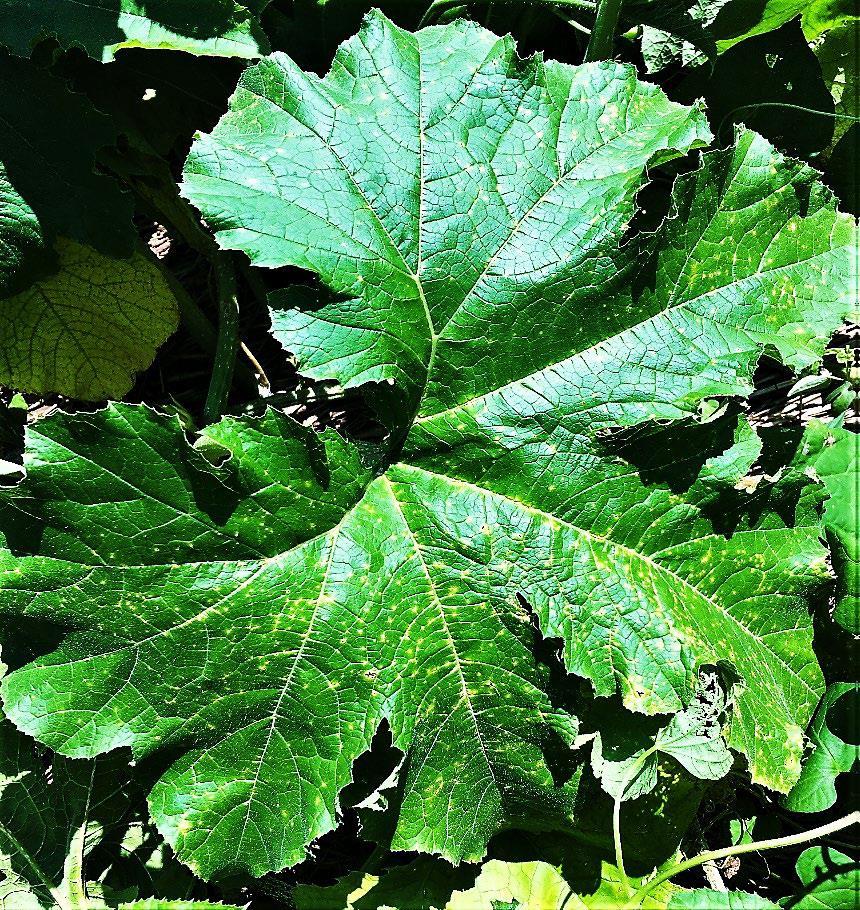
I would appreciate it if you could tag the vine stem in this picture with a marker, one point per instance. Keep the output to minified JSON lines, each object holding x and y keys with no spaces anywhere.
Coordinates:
{"x":603,"y":32}
{"x":784,"y":104}
{"x":791,"y":840}
{"x":228,"y":340}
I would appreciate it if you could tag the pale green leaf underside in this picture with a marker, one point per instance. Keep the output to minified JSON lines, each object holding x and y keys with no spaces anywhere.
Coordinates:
{"x":86,"y":330}
{"x":540,"y":886}
{"x":219,"y":28}
{"x":155,"y":903}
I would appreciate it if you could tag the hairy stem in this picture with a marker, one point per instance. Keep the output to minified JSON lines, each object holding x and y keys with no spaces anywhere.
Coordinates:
{"x":791,"y":840}
{"x":603,"y":33}
{"x":228,"y":340}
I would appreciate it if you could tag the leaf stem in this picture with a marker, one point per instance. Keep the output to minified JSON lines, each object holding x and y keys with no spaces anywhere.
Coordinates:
{"x":603,"y":33}
{"x":755,"y":846}
{"x":635,"y":768}
{"x":228,"y":340}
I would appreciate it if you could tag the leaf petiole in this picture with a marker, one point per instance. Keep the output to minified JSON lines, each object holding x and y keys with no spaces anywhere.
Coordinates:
{"x":228,"y":340}
{"x":791,"y":840}
{"x":603,"y":33}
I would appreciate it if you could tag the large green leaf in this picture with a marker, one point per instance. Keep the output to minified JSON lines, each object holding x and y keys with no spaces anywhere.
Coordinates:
{"x":85,"y":330}
{"x":48,"y":186}
{"x":102,"y":27}
{"x":480,"y":152}
{"x":260,"y":618}
{"x":274,"y":665}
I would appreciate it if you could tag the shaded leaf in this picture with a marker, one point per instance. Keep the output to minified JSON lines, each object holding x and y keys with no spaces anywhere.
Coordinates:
{"x":831,"y":881}
{"x":48,"y":186}
{"x":103,"y":27}
{"x":815,"y":791}
{"x":49,"y":824}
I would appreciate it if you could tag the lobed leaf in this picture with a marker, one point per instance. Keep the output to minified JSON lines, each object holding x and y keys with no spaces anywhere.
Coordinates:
{"x":259,"y":618}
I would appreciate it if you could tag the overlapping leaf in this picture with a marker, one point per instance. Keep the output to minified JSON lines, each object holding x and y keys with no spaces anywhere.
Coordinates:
{"x":831,"y":880}
{"x":48,"y":824}
{"x":540,"y":886}
{"x":625,"y":758}
{"x":81,"y":311}
{"x":103,"y":27}
{"x":48,"y":186}
{"x":834,"y":457}
{"x":465,"y":210}
{"x":815,"y":791}
{"x":85,"y":331}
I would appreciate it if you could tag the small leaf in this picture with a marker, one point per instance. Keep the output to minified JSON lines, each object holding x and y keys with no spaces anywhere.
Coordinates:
{"x":692,"y":738}
{"x":85,"y":331}
{"x":831,"y":881}
{"x":815,"y":791}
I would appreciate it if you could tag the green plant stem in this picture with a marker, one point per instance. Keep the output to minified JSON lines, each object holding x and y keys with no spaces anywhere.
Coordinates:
{"x":616,"y":815}
{"x":228,"y":340}
{"x":784,"y":104}
{"x":754,"y":847}
{"x":603,"y":33}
